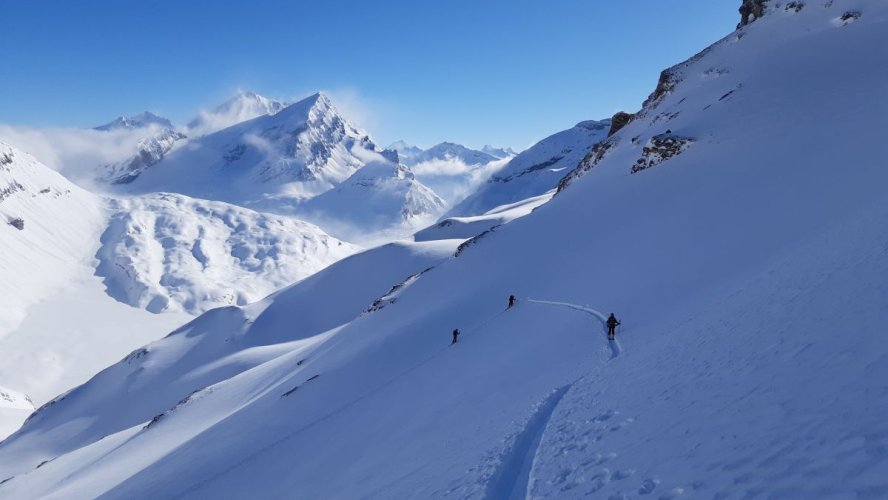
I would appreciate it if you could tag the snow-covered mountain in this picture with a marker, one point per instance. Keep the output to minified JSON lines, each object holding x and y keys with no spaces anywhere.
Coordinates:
{"x":57,"y":327}
{"x":498,"y":153}
{"x":407,"y":153}
{"x":169,"y":252}
{"x":446,"y":151}
{"x":60,"y":323}
{"x":452,"y":170}
{"x":47,"y":225}
{"x":270,"y":162}
{"x":453,"y":151}
{"x":735,"y":230}
{"x":150,"y":151}
{"x":380,"y":202}
{"x":142,"y":120}
{"x":535,"y":170}
{"x":243,"y":106}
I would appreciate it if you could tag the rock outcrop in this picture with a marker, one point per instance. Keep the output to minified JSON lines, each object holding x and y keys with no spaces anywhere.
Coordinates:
{"x":659,"y":149}
{"x":751,"y":10}
{"x":618,"y":121}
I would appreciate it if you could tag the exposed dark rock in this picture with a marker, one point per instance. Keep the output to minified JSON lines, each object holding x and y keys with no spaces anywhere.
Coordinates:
{"x":794,"y":6}
{"x":235,"y":153}
{"x":592,"y":158}
{"x":391,"y":296}
{"x":5,"y":159}
{"x":751,"y":10}
{"x":618,"y":121}
{"x":661,"y":148}
{"x":391,"y":155}
{"x":851,"y":15}
{"x":18,"y":223}
{"x":668,"y":80}
{"x":10,"y":190}
{"x":466,"y":244}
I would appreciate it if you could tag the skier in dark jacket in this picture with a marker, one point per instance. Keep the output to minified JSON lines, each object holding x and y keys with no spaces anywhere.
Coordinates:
{"x":455,"y":335}
{"x":511,"y":301}
{"x":612,"y":326}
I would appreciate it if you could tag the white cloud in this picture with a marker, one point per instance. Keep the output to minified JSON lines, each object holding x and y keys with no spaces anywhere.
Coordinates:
{"x":76,"y":153}
{"x":453,"y":179}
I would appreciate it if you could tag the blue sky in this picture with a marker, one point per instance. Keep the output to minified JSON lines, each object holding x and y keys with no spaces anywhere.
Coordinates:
{"x":475,"y":72}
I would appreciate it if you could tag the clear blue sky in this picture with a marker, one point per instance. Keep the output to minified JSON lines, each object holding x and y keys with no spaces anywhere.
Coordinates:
{"x":505,"y":72}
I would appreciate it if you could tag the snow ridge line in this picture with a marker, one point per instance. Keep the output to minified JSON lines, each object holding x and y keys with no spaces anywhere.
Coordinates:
{"x":615,"y":347}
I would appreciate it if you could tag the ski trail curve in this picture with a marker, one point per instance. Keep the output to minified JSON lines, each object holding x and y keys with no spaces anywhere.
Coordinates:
{"x":511,"y":479}
{"x":615,"y":347}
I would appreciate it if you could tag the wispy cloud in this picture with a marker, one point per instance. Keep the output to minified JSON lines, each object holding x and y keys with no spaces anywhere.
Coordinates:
{"x":78,"y":154}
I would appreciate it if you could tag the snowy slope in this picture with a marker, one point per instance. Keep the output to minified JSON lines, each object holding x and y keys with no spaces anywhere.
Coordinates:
{"x":224,"y":343}
{"x":270,"y":162}
{"x":535,"y":170}
{"x":47,"y":225}
{"x":747,"y":266}
{"x":382,"y":201}
{"x":14,"y":408}
{"x":57,"y":326}
{"x":168,"y":252}
{"x":241,"y":107}
{"x":142,"y":120}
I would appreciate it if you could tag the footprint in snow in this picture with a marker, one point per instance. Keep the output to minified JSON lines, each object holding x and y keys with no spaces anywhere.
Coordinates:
{"x":648,"y":486}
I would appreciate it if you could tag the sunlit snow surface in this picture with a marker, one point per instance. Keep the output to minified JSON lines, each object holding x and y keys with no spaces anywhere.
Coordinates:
{"x":748,"y":271}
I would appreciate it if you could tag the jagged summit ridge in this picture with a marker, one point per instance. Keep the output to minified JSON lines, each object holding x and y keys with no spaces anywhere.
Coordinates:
{"x":141,"y":120}
{"x":271,"y":161}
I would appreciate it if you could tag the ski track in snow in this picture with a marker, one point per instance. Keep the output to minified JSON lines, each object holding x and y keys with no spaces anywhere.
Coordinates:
{"x":513,"y":476}
{"x":615,"y":347}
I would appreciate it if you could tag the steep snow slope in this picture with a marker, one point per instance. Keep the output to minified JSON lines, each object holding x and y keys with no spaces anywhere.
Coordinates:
{"x":380,"y":202}
{"x":243,"y":106}
{"x":57,"y":327}
{"x":226,"y":341}
{"x":142,"y":120}
{"x":270,"y":162}
{"x":747,"y":266}
{"x":169,"y":252}
{"x":535,"y":170}
{"x":47,"y":225}
{"x":71,"y":334}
